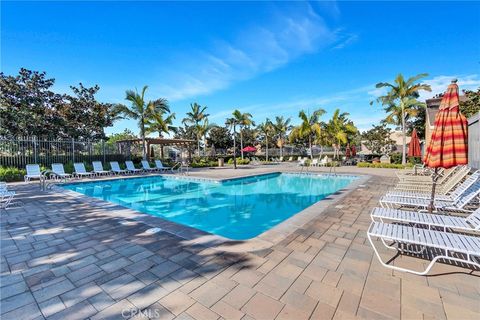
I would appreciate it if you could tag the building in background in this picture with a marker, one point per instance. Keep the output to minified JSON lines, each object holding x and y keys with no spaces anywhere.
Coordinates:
{"x":474,"y":141}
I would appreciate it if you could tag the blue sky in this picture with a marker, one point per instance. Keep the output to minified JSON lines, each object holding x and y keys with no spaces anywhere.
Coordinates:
{"x":260,"y":57}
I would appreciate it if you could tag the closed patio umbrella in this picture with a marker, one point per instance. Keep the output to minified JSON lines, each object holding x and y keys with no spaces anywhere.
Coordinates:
{"x":449,"y":142}
{"x":354,"y":151}
{"x":348,"y":152}
{"x":414,"y":146}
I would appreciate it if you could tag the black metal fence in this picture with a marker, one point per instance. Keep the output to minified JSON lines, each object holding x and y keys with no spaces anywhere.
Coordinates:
{"x":20,"y":151}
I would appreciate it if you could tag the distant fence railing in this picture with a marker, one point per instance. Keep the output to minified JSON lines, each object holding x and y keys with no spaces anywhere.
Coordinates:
{"x":20,"y":151}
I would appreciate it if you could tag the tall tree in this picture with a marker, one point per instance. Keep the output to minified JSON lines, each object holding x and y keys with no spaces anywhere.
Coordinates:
{"x":403,"y":96}
{"x":377,"y":139}
{"x":160,"y":123}
{"x":204,"y":129}
{"x":309,"y":128}
{"x":244,"y":120}
{"x":471,"y":105}
{"x":194,"y":117}
{"x":340,"y":129}
{"x":232,"y":123}
{"x":281,"y":127}
{"x":220,"y":138}
{"x":266,"y":131}
{"x":142,"y":110}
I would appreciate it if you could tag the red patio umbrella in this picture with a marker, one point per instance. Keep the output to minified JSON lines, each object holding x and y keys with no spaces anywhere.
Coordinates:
{"x":249,"y":149}
{"x":354,"y":151}
{"x":414,"y":146}
{"x":348,"y":152}
{"x":449,"y":142}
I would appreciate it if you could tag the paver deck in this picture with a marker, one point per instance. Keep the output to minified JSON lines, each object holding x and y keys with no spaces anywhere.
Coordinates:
{"x":62,"y":258}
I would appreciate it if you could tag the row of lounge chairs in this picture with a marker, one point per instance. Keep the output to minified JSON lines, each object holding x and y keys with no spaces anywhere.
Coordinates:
{"x":58,"y":170}
{"x":450,"y":232}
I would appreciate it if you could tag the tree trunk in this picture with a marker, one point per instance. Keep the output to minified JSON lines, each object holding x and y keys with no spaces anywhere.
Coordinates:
{"x":142,"y":132}
{"x":241,"y":143}
{"x":198,"y":146}
{"x":234,"y":149}
{"x":310,"y":146}
{"x":404,"y":138}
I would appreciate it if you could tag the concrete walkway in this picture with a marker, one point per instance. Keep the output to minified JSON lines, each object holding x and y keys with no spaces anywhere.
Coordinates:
{"x":62,"y":258}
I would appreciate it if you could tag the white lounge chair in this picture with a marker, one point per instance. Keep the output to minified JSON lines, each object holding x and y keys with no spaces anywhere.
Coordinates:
{"x":443,"y":243}
{"x":98,"y":168}
{"x":452,"y":196}
{"x":290,"y":159}
{"x":469,"y":223}
{"x":80,"y":170}
{"x":6,"y":196}
{"x":33,"y":172}
{"x":59,"y":171}
{"x":146,"y":166}
{"x":116,"y":168}
{"x":131,"y":167}
{"x":443,"y":187}
{"x":314,"y":163}
{"x":465,"y":198}
{"x":159,"y":166}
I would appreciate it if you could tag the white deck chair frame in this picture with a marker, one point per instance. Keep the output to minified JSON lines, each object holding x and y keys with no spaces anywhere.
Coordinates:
{"x":146,"y":166}
{"x":443,"y":188}
{"x":116,"y":168}
{"x":81,"y":171}
{"x":131,"y":167}
{"x":468,"y":195}
{"x":98,"y":168}
{"x":159,"y":165}
{"x":469,"y":223}
{"x":452,"y":196}
{"x":446,"y":243}
{"x":33,"y":172}
{"x":59,"y":172}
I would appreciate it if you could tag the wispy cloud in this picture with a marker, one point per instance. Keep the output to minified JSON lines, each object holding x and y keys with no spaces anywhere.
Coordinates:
{"x":255,"y":50}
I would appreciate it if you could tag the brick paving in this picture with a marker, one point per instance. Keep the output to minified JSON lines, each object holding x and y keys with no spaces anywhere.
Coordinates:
{"x":62,"y":258}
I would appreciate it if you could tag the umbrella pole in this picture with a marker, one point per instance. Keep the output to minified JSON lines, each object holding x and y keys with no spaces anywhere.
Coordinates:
{"x":434,"y":185}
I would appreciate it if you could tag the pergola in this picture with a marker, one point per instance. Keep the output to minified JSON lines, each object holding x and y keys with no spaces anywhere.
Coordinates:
{"x":162,"y":142}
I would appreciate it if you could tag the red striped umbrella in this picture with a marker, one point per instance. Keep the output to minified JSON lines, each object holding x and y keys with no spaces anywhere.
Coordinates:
{"x":249,"y":149}
{"x":348,"y":152}
{"x":449,"y":142}
{"x":354,"y":151}
{"x":414,"y":146}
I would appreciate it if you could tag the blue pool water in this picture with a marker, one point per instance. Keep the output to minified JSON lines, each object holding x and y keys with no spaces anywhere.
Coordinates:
{"x":237,"y":209}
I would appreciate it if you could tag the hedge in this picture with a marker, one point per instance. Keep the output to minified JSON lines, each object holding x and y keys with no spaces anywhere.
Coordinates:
{"x":383,"y":165}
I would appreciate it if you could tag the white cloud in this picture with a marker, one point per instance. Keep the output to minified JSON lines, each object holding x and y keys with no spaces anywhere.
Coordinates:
{"x":255,"y":50}
{"x":440,"y":83}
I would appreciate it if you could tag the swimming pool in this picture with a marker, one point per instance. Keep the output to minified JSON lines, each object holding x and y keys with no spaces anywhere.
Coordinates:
{"x":238,"y":209}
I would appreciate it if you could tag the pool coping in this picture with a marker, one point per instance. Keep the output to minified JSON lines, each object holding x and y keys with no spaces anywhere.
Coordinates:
{"x":195,"y":236}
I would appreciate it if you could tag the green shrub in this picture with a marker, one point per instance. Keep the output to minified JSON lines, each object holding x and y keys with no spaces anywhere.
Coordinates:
{"x":203,"y":162}
{"x":396,"y":157}
{"x":239,"y":161}
{"x":382,"y":165}
{"x":10,"y":174}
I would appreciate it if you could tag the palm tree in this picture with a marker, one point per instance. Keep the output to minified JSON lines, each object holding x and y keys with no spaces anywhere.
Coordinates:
{"x":204,"y":129}
{"x":233,"y":123}
{"x":194,"y":117}
{"x":339,"y":130}
{"x":142,"y":110}
{"x":281,"y":127}
{"x":309,"y":128}
{"x":160,"y":124}
{"x":402,"y":97}
{"x":266,"y":130}
{"x":244,"y":120}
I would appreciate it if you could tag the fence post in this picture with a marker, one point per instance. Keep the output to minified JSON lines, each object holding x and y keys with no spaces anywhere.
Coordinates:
{"x":73,"y":150}
{"x":34,"y":139}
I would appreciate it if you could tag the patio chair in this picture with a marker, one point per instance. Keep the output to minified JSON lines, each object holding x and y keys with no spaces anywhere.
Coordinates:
{"x":443,"y":187}
{"x":468,"y":223}
{"x":6,"y":196}
{"x":131,"y":167}
{"x":146,"y":166}
{"x":59,"y":171}
{"x":290,"y":159}
{"x":314,"y":163}
{"x":159,"y":166}
{"x":98,"y":168}
{"x":444,"y":175}
{"x":33,"y":172}
{"x":444,"y":245}
{"x":451,"y":196}
{"x":458,"y":204}
{"x":80,"y":170}
{"x":280,"y":159}
{"x":116,"y":168}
